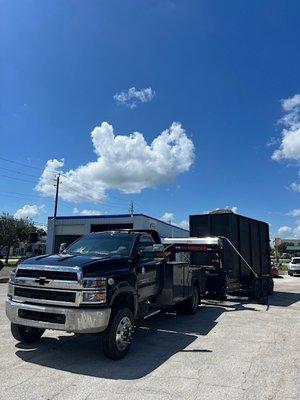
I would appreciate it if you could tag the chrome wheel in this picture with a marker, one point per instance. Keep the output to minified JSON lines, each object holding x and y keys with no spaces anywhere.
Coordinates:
{"x":124,"y":333}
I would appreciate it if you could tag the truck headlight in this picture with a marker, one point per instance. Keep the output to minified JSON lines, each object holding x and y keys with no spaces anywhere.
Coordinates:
{"x":94,"y":283}
{"x":94,"y":296}
{"x":12,"y":275}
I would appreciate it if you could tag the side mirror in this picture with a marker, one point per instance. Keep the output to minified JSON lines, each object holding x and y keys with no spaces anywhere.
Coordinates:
{"x":62,"y":247}
{"x":158,"y":250}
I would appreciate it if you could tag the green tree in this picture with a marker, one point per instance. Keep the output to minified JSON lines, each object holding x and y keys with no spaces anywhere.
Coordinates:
{"x":13,"y":230}
{"x":282,"y":248}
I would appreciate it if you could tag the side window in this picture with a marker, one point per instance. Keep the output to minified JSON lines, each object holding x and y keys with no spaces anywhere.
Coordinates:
{"x":145,"y":241}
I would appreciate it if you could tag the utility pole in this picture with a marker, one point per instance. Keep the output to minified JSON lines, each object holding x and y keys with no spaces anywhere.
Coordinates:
{"x":56,"y":196}
{"x":131,"y":209}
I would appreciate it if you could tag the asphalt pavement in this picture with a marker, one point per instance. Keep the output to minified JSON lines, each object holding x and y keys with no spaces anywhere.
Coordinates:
{"x":229,"y":350}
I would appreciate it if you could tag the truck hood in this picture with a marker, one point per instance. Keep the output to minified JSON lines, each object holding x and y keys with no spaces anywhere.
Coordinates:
{"x":90,"y":265}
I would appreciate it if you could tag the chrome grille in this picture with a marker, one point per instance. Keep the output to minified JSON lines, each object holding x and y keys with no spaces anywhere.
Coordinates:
{"x":44,"y":294}
{"x":48,"y":274}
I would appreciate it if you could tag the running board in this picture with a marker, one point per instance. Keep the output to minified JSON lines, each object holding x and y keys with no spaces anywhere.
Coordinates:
{"x":151,"y":314}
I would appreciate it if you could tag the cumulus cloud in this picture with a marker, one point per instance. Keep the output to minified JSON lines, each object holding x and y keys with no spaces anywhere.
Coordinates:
{"x":184,"y":224}
{"x":234,"y":209}
{"x":295,"y":186}
{"x":294,"y":213}
{"x":167,"y":217}
{"x":87,"y":212}
{"x":28,"y":211}
{"x":290,"y":135}
{"x":124,"y":162}
{"x":285,"y":230}
{"x":133,"y":96}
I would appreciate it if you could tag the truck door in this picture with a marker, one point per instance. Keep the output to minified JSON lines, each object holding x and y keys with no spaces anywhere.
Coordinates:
{"x":147,"y":268}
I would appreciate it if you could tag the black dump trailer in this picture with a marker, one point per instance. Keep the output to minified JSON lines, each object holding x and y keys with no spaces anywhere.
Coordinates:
{"x":245,"y":253}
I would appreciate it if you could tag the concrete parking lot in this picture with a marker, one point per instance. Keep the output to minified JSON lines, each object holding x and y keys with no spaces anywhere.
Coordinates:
{"x":228,"y":350}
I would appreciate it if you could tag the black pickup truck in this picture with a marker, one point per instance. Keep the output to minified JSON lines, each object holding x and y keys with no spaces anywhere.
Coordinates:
{"x":102,"y":283}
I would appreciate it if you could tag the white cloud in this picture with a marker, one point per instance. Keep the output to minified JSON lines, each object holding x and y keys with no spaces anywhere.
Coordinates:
{"x":184,"y":224}
{"x":133,"y":96}
{"x":295,"y":186}
{"x":234,"y":209}
{"x":167,"y":217}
{"x":296,"y":231}
{"x":294,"y":213}
{"x":290,"y":103}
{"x":170,"y":219}
{"x":86,"y":212}
{"x":285,"y":230}
{"x":290,"y":135}
{"x":28,"y":211}
{"x":127,"y":163}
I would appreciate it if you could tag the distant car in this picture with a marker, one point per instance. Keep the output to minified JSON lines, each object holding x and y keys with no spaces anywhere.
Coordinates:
{"x":294,"y":266}
{"x":274,"y":270}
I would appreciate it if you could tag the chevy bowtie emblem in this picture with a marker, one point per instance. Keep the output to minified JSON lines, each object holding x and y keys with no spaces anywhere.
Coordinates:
{"x":42,"y":280}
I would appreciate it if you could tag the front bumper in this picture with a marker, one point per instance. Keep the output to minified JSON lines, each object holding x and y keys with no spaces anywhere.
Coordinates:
{"x":80,"y":320}
{"x":295,"y":271}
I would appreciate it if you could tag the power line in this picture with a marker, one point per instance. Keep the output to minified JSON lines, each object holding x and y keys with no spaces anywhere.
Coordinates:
{"x":19,"y":172}
{"x":19,"y":163}
{"x":17,"y":179}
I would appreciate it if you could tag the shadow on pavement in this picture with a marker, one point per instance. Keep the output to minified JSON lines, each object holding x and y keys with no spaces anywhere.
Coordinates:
{"x":158,"y":339}
{"x":282,"y":299}
{"x":83,"y":354}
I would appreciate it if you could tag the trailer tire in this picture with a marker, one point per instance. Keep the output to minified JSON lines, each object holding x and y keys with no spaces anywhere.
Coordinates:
{"x":26,"y":334}
{"x":256,"y":289}
{"x":264,"y":288}
{"x":270,"y":286}
{"x":190,"y":305}
{"x":117,"y":337}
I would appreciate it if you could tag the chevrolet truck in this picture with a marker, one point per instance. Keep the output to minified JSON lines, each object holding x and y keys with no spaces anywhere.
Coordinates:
{"x":103,"y":283}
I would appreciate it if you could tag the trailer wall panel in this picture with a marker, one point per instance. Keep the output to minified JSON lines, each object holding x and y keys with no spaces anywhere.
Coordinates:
{"x":249,"y":236}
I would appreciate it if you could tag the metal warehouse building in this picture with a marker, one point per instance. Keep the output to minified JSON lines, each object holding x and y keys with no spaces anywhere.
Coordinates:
{"x":68,"y":229}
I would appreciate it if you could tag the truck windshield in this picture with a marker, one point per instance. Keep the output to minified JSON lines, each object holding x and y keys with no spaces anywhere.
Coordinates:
{"x":102,"y":244}
{"x":296,"y":261}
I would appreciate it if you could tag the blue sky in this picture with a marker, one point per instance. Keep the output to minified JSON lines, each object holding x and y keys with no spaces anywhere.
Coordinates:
{"x":218,"y":68}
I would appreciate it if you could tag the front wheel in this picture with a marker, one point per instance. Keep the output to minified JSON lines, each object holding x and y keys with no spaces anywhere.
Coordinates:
{"x":117,"y":337}
{"x":26,"y":334}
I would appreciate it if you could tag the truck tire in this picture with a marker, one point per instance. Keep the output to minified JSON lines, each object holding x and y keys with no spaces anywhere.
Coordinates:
{"x":117,"y":338}
{"x":264,"y":287}
{"x":190,"y":305}
{"x":256,"y":290}
{"x":270,"y":286}
{"x":26,"y":334}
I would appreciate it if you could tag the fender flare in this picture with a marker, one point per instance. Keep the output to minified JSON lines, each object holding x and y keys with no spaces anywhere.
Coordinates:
{"x":124,"y":288}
